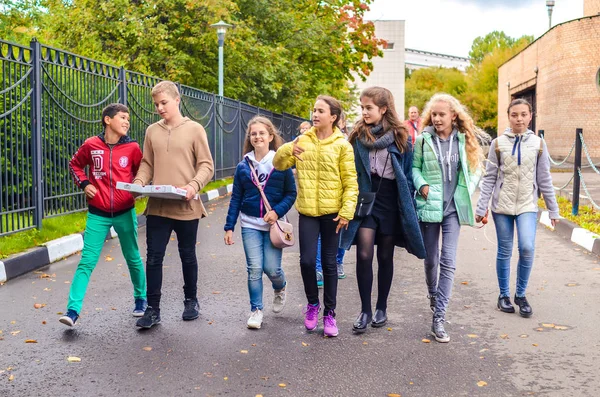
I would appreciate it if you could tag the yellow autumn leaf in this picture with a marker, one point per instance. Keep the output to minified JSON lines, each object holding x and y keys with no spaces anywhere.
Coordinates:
{"x":465,"y":283}
{"x":548,"y":325}
{"x":73,"y":359}
{"x":425,"y":341}
{"x":561,"y":327}
{"x":523,"y":336}
{"x":11,"y":378}
{"x":282,"y":385}
{"x":365,"y":343}
{"x":244,"y":351}
{"x":504,"y":336}
{"x":259,"y":395}
{"x":15,"y":333}
{"x":481,"y":383}
{"x":394,"y":395}
{"x":472,"y":336}
{"x":108,"y":258}
{"x":539,"y":329}
{"x":389,"y":329}
{"x":147,"y":348}
{"x":30,"y":341}
{"x":572,"y":285}
{"x":304,"y":344}
{"x":225,"y":378}
{"x":535,"y":344}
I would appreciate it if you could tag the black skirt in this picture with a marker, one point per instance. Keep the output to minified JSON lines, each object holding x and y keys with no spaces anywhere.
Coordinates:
{"x":384,"y":217}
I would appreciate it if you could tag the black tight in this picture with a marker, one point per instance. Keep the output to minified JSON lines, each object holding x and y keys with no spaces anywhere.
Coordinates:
{"x":365,"y":247}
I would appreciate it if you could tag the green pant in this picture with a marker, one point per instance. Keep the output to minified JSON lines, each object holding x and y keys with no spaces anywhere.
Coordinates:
{"x":96,"y":230}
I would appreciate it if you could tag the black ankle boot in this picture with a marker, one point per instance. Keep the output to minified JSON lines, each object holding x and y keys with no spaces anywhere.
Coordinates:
{"x":361,"y":323}
{"x":504,"y":304}
{"x":524,"y":308}
{"x":379,"y":319}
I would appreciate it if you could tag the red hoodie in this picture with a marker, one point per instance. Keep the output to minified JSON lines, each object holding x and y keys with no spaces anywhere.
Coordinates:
{"x":107,"y":167}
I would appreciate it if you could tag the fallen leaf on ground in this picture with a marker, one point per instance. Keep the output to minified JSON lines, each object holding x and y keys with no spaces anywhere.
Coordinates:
{"x":504,"y":336}
{"x":30,"y":341}
{"x":139,"y":373}
{"x":38,"y":305}
{"x":394,"y":395}
{"x":561,"y":327}
{"x":535,"y":344}
{"x":147,"y":348}
{"x":365,"y":343}
{"x":109,"y":258}
{"x":73,"y":359}
{"x":472,"y":336}
{"x":259,"y":395}
{"x":15,"y":333}
{"x":47,"y":289}
{"x":282,"y":385}
{"x":465,"y":283}
{"x":264,"y":377}
{"x":67,"y":282}
{"x":523,"y":336}
{"x":389,"y":329}
{"x":244,"y":351}
{"x":481,"y":383}
{"x":304,"y":344}
{"x":483,"y":350}
{"x":216,"y":292}
{"x":425,"y":341}
{"x":539,"y":329}
{"x":225,"y":378}
{"x":548,"y":325}
{"x":13,"y":322}
{"x":11,"y":378}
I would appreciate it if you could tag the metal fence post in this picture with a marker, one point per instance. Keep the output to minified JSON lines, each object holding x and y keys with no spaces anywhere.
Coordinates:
{"x":215,"y":127}
{"x":36,"y":130}
{"x":577,"y":170}
{"x":240,"y":130}
{"x":123,"y":86}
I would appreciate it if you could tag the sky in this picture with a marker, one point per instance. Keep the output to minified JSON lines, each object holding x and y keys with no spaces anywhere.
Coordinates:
{"x":450,"y":26}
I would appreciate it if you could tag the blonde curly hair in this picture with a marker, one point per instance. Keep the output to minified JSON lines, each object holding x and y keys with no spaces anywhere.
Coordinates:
{"x":464,"y":124}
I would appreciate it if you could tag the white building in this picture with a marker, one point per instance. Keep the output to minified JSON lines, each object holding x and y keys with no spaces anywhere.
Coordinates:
{"x":388,"y":71}
{"x":417,"y":59}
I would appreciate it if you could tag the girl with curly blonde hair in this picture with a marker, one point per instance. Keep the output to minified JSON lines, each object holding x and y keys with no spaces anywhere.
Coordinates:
{"x":446,"y":164}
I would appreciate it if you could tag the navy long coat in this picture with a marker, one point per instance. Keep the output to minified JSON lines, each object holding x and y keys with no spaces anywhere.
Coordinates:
{"x":409,"y":232}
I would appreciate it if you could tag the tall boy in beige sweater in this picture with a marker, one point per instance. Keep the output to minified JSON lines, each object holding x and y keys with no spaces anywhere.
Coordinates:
{"x":176,"y":153}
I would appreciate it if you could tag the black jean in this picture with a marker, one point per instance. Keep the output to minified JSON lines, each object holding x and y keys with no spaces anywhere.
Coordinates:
{"x":158,"y":233}
{"x":309,"y":229}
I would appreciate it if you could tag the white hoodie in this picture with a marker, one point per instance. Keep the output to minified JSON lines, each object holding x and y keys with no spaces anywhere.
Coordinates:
{"x":263,"y":169}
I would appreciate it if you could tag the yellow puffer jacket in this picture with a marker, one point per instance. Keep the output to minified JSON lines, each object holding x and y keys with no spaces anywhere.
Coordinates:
{"x":327,"y":181}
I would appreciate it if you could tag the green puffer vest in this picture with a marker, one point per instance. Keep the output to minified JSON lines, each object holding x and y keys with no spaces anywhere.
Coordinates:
{"x":427,"y":171}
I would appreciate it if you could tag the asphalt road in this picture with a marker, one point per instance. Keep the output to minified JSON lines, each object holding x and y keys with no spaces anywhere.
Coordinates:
{"x":554,"y":353}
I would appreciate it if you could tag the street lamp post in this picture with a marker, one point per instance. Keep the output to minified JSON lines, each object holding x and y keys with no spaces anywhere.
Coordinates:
{"x":550,"y":6}
{"x":221,"y":28}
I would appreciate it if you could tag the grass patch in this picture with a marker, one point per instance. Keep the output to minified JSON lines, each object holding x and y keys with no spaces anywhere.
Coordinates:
{"x":588,"y":217}
{"x":60,"y":226}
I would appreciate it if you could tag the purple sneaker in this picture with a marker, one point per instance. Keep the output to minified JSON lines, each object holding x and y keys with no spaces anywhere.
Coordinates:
{"x":329,"y":325}
{"x":311,"y":316}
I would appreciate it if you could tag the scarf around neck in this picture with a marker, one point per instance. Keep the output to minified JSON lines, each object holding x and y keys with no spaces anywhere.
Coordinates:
{"x":382,"y":139}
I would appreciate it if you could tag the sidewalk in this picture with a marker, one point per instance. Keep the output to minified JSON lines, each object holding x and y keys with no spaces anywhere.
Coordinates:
{"x":61,"y":248}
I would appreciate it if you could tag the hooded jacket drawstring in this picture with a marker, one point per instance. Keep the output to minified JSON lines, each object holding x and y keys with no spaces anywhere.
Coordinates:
{"x":447,"y":157}
{"x":517,"y":146}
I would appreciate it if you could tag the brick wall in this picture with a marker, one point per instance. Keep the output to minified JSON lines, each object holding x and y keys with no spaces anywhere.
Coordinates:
{"x":567,"y":58}
{"x":591,"y":7}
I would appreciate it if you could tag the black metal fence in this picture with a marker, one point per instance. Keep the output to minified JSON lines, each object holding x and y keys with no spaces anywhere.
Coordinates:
{"x":51,"y":101}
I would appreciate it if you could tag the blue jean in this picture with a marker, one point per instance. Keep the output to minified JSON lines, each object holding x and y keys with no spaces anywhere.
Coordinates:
{"x":261,"y":256}
{"x":439,"y":269}
{"x":339,"y":258}
{"x":526,"y":228}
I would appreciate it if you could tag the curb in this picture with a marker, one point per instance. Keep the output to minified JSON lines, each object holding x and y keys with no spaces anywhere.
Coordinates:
{"x":55,"y":250}
{"x":572,"y":232}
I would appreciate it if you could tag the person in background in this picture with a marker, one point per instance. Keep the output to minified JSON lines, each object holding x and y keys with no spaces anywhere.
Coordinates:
{"x":110,"y":153}
{"x":518,"y":168}
{"x":262,"y":140}
{"x":414,"y":124}
{"x":304,"y":126}
{"x":323,"y":158}
{"x":446,"y":167}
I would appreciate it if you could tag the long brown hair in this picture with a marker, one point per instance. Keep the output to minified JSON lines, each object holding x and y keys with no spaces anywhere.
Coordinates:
{"x":273,"y":145}
{"x":464,"y":124}
{"x":382,"y":98}
{"x":335,"y":107}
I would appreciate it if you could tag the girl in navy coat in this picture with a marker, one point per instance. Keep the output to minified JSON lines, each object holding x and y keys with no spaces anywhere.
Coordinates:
{"x":383,"y":157}
{"x":262,"y":140}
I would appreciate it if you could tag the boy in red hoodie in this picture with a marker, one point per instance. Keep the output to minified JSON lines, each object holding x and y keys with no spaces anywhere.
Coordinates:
{"x":112,"y":157}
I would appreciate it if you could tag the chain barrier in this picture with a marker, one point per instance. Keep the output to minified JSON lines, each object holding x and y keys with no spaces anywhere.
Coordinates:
{"x":588,"y":195}
{"x":587,"y":154}
{"x":565,"y":159}
{"x":565,"y":185}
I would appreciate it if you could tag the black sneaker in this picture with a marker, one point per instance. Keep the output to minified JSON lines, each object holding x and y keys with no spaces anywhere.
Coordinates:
{"x":70,"y":318}
{"x":191,"y":309}
{"x":524,"y":308}
{"x":432,"y":302}
{"x":504,"y":304}
{"x":150,"y":318}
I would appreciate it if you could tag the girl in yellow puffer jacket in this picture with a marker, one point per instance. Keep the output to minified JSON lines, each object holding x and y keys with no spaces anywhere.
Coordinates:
{"x":327,"y":194}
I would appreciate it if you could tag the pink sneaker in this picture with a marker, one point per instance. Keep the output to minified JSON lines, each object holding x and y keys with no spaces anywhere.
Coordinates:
{"x":311,"y":316}
{"x":329,"y":325}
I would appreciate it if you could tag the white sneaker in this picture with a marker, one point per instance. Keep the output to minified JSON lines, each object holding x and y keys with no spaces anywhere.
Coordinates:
{"x":255,"y":320}
{"x":279,"y":300}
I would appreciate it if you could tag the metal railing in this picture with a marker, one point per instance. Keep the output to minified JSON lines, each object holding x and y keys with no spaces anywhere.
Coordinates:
{"x":51,"y":101}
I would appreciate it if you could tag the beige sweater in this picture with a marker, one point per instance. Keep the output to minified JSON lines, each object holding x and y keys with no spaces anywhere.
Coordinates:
{"x":176,"y":156}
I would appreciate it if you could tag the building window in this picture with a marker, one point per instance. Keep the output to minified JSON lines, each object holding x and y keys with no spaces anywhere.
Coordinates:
{"x":388,"y":45}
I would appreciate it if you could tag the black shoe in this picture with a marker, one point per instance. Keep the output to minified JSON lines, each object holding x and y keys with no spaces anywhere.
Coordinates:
{"x":432,"y":302}
{"x":524,"y":308}
{"x":361,"y":323}
{"x":191,"y":310}
{"x":504,"y":304}
{"x":150,"y":318}
{"x":379,"y":319}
